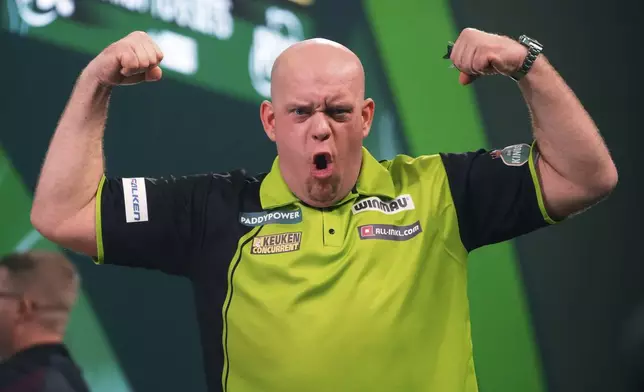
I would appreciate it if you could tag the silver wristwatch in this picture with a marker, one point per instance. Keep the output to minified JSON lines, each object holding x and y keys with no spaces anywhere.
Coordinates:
{"x":534,"y":49}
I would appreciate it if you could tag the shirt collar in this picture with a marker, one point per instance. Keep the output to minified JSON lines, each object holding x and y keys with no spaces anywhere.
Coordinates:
{"x":41,"y":350}
{"x":374,"y":180}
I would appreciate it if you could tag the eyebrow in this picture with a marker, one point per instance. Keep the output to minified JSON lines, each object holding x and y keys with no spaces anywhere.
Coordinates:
{"x":337,"y":100}
{"x":293,"y":104}
{"x":341,"y":104}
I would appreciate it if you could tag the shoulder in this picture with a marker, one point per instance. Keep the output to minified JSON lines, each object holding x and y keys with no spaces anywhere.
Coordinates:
{"x":407,"y":162}
{"x":420,"y":167}
{"x":234,"y":190}
{"x":423,"y":177}
{"x":238,"y":178}
{"x":219,"y":183}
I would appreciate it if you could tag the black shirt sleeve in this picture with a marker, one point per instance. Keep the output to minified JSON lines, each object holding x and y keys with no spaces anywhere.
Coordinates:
{"x":496,"y":194}
{"x":159,"y":223}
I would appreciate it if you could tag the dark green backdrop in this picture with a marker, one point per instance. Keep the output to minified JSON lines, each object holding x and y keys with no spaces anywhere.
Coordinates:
{"x":582,"y":279}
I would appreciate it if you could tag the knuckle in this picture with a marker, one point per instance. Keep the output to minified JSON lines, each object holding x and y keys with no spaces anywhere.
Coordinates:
{"x":112,"y":48}
{"x":129,"y":62}
{"x":135,"y":36}
{"x":469,"y":32}
{"x":132,"y":60}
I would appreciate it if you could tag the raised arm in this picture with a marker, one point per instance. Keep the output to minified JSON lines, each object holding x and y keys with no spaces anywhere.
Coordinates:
{"x":64,"y":207}
{"x":574,"y":165}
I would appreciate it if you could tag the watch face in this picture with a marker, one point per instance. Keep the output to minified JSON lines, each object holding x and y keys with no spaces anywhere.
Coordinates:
{"x":530,"y":43}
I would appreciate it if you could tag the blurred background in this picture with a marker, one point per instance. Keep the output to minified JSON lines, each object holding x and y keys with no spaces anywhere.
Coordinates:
{"x":558,"y":310}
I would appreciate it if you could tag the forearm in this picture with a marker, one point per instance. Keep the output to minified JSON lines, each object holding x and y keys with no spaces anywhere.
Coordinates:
{"x":74,"y":162}
{"x":567,"y":137}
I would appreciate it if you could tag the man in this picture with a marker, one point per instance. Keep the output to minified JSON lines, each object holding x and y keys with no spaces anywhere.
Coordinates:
{"x":333,"y":272}
{"x":37,"y":292}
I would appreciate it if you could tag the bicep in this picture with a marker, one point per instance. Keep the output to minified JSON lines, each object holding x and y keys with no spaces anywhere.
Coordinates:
{"x":561,"y":197}
{"x":78,"y":233}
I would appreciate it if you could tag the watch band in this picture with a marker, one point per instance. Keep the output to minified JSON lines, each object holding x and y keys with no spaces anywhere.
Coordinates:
{"x":534,"y":49}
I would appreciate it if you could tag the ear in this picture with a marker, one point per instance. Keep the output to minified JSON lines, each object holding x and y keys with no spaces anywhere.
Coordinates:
{"x":267,"y":115}
{"x":368,"y":109}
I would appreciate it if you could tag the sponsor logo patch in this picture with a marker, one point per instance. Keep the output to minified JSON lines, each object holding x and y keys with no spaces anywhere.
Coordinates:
{"x":276,"y":243}
{"x":399,"y":204}
{"x":516,"y":155}
{"x":285,"y":217}
{"x":136,"y":200}
{"x":389,"y":232}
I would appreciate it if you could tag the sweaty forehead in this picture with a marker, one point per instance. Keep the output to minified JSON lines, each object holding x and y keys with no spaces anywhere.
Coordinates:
{"x":318,"y":74}
{"x":310,"y":85}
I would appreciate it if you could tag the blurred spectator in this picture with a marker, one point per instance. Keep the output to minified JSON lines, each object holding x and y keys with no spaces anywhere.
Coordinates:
{"x":37,"y":292}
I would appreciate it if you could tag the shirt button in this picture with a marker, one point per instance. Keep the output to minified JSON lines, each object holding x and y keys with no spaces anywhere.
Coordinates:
{"x":331,"y":231}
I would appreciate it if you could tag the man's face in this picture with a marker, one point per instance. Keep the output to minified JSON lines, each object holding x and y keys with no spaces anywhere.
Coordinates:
{"x":9,"y":305}
{"x":319,"y":121}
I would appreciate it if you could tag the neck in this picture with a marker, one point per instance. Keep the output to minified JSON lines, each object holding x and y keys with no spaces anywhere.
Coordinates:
{"x":35,"y":339}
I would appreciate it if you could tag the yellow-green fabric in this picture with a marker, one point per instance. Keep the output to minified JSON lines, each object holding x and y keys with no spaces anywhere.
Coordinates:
{"x":534,"y":155}
{"x":367,"y":295}
{"x":349,"y":314}
{"x":98,"y":223}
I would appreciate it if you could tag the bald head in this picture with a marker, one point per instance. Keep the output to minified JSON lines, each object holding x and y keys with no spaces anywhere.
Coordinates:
{"x":48,"y":280}
{"x":316,"y":60}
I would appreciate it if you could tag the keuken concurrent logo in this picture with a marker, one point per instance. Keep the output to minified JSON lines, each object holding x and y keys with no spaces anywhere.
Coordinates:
{"x":276,"y":243}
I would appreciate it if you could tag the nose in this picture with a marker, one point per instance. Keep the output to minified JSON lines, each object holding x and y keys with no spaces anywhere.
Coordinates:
{"x":321,"y":129}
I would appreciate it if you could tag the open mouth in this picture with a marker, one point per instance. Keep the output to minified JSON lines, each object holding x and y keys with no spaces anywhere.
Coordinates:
{"x":321,"y":161}
{"x":322,"y":165}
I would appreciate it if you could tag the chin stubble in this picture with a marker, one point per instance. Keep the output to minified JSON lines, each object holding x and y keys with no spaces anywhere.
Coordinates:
{"x":323,"y":191}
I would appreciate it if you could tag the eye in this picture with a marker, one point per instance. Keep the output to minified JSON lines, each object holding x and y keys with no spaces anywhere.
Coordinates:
{"x":339,"y":113}
{"x":300,"y":111}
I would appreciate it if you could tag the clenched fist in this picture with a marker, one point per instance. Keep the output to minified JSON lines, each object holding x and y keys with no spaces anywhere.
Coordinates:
{"x":131,"y":60}
{"x":476,"y":53}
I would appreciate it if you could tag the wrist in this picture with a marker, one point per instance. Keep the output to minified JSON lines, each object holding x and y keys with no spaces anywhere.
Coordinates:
{"x":89,"y":79}
{"x":532,"y":49}
{"x":88,"y":82}
{"x":88,"y":92}
{"x":540,"y":69}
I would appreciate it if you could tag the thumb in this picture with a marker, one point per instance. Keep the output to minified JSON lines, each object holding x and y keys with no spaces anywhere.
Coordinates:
{"x":153,"y":74}
{"x":134,"y":79}
{"x":466,"y":79}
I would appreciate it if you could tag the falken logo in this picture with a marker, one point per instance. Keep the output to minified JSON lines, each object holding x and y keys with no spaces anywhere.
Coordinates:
{"x":136,"y":200}
{"x":276,"y":243}
{"x":399,"y":204}
{"x":389,"y":232}
{"x":285,"y":217}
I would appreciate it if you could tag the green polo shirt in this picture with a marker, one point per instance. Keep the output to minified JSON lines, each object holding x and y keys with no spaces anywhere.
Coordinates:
{"x":367,"y":295}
